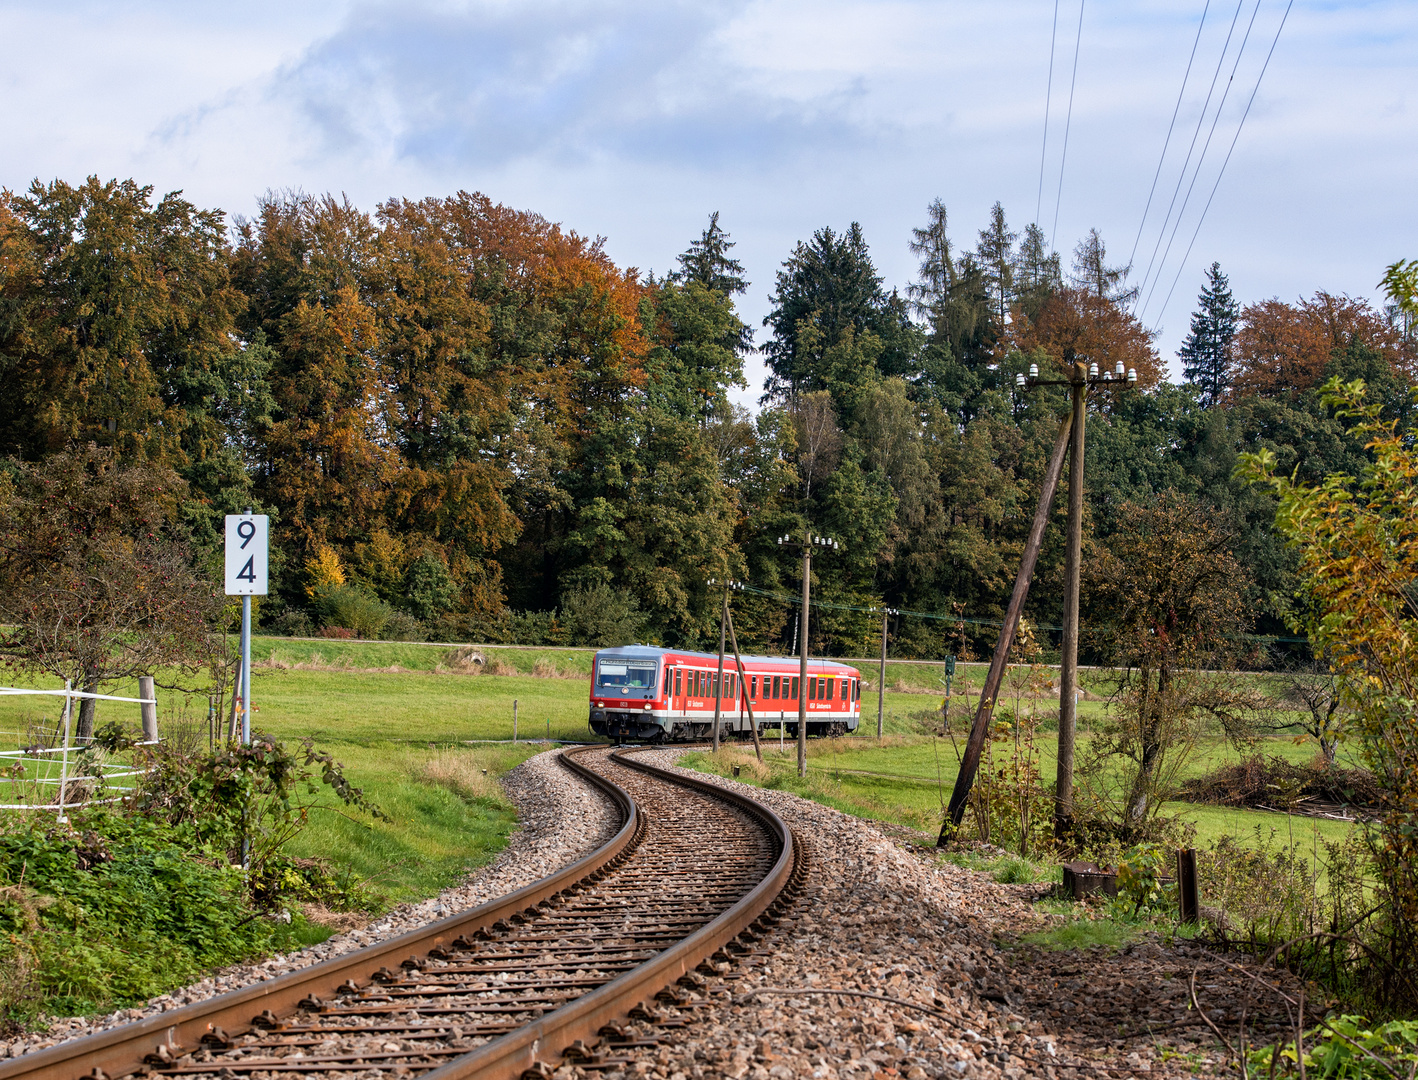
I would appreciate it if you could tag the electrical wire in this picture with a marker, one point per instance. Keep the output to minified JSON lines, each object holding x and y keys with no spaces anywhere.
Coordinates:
{"x":1048,"y":101}
{"x":1176,"y":109}
{"x":1068,"y":121}
{"x":1201,"y":159}
{"x":1275,"y":41}
{"x":1186,"y":162}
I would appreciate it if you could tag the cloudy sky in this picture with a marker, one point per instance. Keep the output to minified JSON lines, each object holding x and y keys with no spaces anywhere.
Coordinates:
{"x":633,"y":119}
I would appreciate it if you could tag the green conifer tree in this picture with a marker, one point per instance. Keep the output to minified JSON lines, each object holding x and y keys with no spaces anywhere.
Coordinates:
{"x":1206,"y":352}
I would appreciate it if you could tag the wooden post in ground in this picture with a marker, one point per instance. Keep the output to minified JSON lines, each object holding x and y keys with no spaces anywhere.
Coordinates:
{"x":149,"y":709}
{"x":984,"y":713}
{"x":514,"y":719}
{"x":718,"y":686}
{"x":1068,"y":662}
{"x":738,"y":662}
{"x":881,"y":676}
{"x":1187,"y":890}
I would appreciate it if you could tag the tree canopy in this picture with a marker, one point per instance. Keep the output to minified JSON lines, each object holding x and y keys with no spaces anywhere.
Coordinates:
{"x":475,"y":419}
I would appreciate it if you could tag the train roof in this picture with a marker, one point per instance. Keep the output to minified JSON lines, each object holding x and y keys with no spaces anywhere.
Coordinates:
{"x":652,"y":652}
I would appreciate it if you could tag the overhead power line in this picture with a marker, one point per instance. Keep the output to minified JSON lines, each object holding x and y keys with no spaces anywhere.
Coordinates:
{"x":1048,"y":100}
{"x":1275,"y":41}
{"x":1201,"y":159}
{"x":1068,"y":122}
{"x":1168,"y":140}
{"x":1186,"y":162}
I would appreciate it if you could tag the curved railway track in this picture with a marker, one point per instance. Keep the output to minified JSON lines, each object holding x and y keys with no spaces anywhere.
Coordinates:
{"x":546,"y":975}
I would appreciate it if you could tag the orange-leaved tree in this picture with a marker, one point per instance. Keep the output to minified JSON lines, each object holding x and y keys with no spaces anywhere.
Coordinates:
{"x":1358,"y":544}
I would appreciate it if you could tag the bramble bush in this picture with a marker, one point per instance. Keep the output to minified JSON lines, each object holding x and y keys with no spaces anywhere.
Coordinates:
{"x":120,"y":904}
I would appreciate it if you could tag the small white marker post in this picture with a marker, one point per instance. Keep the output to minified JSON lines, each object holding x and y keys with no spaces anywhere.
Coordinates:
{"x":247,"y":537}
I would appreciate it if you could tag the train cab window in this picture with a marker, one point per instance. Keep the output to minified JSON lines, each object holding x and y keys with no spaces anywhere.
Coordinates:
{"x":669,"y":682}
{"x":614,"y":675}
{"x":679,"y":683}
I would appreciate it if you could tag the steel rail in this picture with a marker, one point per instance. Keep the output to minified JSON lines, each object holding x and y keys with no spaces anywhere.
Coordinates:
{"x":531,"y":1048}
{"x":122,"y":1050}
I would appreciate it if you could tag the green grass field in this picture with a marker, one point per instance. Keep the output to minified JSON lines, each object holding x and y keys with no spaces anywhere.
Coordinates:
{"x":415,"y":727}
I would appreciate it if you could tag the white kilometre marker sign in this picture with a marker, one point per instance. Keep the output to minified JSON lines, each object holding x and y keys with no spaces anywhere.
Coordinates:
{"x":246,"y":554}
{"x":246,"y":576}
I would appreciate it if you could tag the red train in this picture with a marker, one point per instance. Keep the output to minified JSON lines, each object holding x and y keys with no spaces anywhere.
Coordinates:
{"x":651,"y":694}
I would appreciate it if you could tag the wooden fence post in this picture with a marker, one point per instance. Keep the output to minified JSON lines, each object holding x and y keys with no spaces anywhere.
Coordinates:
{"x":1187,"y":891}
{"x":148,"y":709}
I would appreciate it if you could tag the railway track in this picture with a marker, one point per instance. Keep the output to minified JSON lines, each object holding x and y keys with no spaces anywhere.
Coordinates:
{"x":600,"y":960}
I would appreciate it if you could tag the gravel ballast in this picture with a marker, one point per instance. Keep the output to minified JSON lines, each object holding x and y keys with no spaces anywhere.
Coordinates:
{"x":561,"y":819}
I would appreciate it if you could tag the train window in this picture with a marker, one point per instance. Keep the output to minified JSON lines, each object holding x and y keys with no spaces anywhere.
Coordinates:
{"x":773,"y":690}
{"x":678,"y":683}
{"x":669,"y":682}
{"x":733,"y":693}
{"x":611,"y":675}
{"x":794,"y":695}
{"x":812,"y":689}
{"x":753,"y":686}
{"x":845,"y":690}
{"x":829,"y":688}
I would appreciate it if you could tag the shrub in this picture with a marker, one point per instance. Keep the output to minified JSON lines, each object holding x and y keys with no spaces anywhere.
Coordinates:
{"x":291,"y":623}
{"x":113,"y":911}
{"x":401,"y":626}
{"x":600,"y":616}
{"x":429,"y":589}
{"x":350,"y":607}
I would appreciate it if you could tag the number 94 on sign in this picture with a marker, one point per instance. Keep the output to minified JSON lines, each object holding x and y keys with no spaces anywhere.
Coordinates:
{"x":246,"y":554}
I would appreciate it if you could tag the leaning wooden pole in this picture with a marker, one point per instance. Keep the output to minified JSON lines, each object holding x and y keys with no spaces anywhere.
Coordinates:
{"x":970,"y":764}
{"x":743,"y":684}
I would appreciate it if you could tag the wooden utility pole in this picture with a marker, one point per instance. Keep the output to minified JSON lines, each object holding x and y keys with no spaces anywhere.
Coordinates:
{"x":1070,"y":441}
{"x":828,"y":544}
{"x":1068,"y":662}
{"x":881,"y":676}
{"x":719,"y":679}
{"x":738,"y":663}
{"x":881,"y":671}
{"x":970,"y":763}
{"x":802,"y":656}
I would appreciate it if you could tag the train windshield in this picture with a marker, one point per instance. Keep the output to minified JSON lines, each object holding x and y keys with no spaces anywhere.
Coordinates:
{"x":615,"y":674}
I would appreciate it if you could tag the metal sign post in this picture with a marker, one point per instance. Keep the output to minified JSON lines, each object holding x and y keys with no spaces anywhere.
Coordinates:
{"x":247,"y":552}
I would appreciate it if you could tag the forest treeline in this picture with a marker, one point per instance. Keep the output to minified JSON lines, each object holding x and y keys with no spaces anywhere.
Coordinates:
{"x":468,"y":423}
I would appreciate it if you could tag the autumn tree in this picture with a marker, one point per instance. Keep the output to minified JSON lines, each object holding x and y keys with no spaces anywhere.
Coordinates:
{"x":1357,"y":536}
{"x":1283,"y":349}
{"x":1165,"y":593}
{"x":118,"y":327}
{"x":1078,"y":324}
{"x":96,"y":579}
